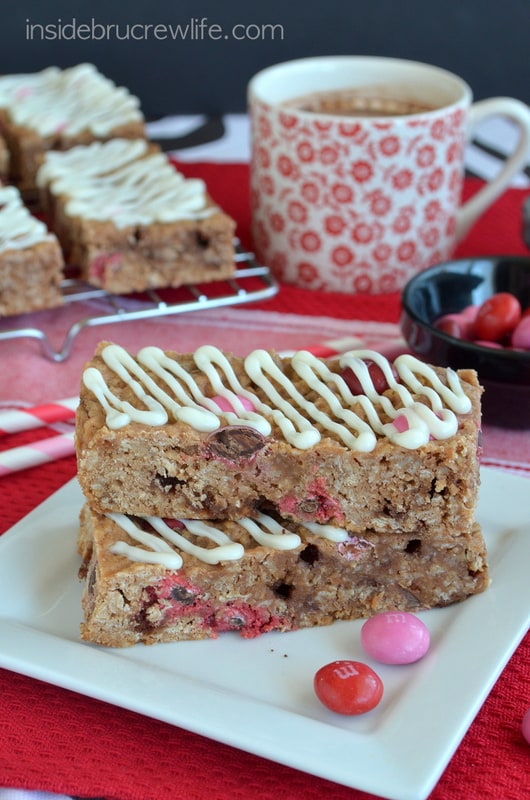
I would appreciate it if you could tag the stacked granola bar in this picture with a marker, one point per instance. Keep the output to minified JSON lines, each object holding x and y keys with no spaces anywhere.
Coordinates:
{"x":269,"y":493}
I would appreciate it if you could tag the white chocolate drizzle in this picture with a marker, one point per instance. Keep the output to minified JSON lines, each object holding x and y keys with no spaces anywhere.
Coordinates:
{"x":18,"y":228}
{"x":68,"y":101}
{"x":266,"y":531}
{"x":98,"y":158}
{"x":121,"y":181}
{"x":412,"y":423}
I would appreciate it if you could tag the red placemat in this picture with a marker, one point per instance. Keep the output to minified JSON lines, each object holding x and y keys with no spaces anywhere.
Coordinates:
{"x":62,"y":742}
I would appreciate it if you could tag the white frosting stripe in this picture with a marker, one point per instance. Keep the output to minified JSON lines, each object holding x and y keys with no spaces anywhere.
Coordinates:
{"x":68,"y":101}
{"x":159,"y":404}
{"x":158,"y":550}
{"x":207,"y":358}
{"x":99,"y":158}
{"x":263,"y":371}
{"x":266,"y":531}
{"x":226,"y":549}
{"x":327,"y":531}
{"x":120,"y":181}
{"x":181,"y":385}
{"x":271,"y":533}
{"x":412,"y":423}
{"x":121,"y":412}
{"x":318,"y":377}
{"x":18,"y":228}
{"x":453,"y":395}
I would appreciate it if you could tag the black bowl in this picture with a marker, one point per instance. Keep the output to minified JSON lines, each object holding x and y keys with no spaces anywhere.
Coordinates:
{"x":450,"y":287}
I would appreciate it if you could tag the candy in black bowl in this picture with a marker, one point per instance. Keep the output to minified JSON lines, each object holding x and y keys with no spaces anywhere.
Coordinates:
{"x":449,"y":288}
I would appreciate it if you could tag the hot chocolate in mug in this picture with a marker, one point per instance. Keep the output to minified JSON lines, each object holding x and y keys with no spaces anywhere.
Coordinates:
{"x":357,"y":169}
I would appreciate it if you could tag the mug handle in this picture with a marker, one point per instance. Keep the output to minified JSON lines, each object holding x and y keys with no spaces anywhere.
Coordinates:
{"x":520,"y":114}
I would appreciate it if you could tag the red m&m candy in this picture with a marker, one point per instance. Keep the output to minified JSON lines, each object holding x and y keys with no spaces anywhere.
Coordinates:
{"x":348,"y":687}
{"x":497,"y":317}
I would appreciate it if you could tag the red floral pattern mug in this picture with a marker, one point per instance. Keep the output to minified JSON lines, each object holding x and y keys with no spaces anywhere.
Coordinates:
{"x":361,"y":202}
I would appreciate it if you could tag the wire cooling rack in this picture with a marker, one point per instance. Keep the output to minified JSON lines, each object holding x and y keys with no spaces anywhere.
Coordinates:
{"x":250,"y":283}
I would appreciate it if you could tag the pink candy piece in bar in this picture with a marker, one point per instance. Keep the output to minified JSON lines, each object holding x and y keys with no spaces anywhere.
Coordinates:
{"x":401,"y":423}
{"x":23,"y":91}
{"x":224,"y":404}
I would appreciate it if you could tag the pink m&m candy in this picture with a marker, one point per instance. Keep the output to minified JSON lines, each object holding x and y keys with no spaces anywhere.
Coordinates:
{"x":395,"y":637}
{"x":469,"y":313}
{"x":526,"y":726}
{"x":521,"y":335}
{"x":454,"y":325}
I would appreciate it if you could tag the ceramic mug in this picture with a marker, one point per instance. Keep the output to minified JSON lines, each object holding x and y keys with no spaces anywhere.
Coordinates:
{"x":357,"y":168}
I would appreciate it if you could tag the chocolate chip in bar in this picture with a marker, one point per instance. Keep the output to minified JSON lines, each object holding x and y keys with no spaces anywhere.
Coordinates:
{"x":235,"y":442}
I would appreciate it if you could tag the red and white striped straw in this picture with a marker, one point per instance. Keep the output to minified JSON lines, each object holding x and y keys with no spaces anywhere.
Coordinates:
{"x":37,"y":453}
{"x":15,"y":420}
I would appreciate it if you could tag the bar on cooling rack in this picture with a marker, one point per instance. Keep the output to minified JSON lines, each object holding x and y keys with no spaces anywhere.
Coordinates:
{"x":31,"y":261}
{"x":131,"y":222}
{"x":57,"y":109}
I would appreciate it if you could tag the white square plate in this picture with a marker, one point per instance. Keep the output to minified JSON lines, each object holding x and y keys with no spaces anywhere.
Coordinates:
{"x":257,"y":694}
